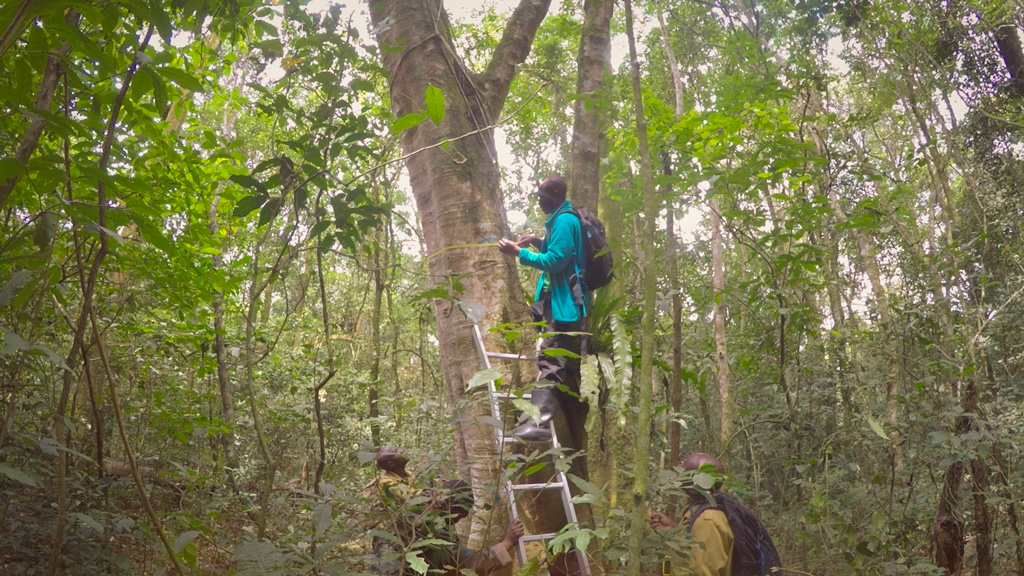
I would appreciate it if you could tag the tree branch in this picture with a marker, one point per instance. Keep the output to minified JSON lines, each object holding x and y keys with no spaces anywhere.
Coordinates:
{"x":511,"y":51}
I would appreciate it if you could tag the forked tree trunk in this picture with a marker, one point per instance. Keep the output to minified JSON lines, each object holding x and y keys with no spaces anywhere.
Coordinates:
{"x":454,"y":177}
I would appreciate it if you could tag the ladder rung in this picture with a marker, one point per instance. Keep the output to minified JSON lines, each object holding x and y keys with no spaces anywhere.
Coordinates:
{"x":538,"y":486}
{"x":505,"y":356}
{"x":538,"y":537}
{"x":524,"y":396}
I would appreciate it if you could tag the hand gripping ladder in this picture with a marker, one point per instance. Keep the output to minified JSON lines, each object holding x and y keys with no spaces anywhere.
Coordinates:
{"x":559,"y":481}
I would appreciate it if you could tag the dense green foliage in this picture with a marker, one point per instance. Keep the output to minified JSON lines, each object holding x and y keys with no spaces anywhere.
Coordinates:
{"x":213,"y":294}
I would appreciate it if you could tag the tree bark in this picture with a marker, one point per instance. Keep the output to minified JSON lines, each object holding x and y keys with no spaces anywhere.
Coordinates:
{"x":458,"y":195}
{"x":948,"y":530}
{"x":589,"y":124}
{"x":1010,"y":50}
{"x":718,"y":320}
{"x":638,"y":518}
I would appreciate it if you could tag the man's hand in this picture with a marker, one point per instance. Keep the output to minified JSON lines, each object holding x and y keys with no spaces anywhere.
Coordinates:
{"x":506,"y":246}
{"x":528,"y":240}
{"x":513,"y":533}
{"x":660,"y":521}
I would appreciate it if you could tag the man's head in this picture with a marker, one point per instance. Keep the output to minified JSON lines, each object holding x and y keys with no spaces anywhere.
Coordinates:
{"x":699,"y":461}
{"x":392,"y":459}
{"x":551,"y":193}
{"x":456,"y":499}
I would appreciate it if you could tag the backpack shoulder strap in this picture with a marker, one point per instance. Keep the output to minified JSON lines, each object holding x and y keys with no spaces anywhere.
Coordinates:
{"x":696,"y":510}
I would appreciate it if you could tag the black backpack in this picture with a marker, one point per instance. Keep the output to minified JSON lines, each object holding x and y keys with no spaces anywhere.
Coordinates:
{"x":597,"y":256}
{"x":753,"y":553}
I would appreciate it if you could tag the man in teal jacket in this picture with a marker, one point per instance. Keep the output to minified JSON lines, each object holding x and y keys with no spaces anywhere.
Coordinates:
{"x":559,"y":300}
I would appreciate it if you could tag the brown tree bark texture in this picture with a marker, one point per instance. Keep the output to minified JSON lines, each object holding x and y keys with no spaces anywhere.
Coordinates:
{"x":948,"y":530}
{"x":458,"y":195}
{"x":593,"y":63}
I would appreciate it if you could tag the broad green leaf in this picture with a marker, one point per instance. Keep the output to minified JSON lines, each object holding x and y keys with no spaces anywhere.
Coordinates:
{"x":416,"y":562}
{"x":583,"y":539}
{"x":559,"y":352}
{"x":526,"y":407}
{"x":877,"y":428}
{"x":13,"y":285}
{"x":249,"y":182}
{"x":535,"y":468}
{"x":323,"y":516}
{"x":161,"y":20}
{"x":45,"y":230}
{"x":181,"y":78}
{"x":318,"y":228}
{"x":88,"y":521}
{"x":17,"y":475}
{"x":584,"y":485}
{"x":269,"y":211}
{"x":434,"y":100}
{"x":406,"y":122}
{"x":184,"y":539}
{"x":10,"y":167}
{"x":484,"y":376}
{"x":248,"y":205}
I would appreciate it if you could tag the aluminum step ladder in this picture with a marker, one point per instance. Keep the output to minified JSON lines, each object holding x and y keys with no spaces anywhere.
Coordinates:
{"x":559,"y":481}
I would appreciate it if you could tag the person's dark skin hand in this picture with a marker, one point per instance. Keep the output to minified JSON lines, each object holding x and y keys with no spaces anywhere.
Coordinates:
{"x":513,"y":533}
{"x":528,"y":240}
{"x":508,"y":247}
{"x":661,"y":521}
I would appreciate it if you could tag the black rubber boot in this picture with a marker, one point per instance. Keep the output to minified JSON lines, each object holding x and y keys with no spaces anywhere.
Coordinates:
{"x":539,"y":430}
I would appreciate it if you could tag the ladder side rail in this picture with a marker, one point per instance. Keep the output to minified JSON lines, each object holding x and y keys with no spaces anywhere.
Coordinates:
{"x":494,"y":402}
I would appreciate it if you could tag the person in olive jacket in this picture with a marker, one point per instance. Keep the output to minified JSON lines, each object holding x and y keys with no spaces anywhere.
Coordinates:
{"x":711,"y":553}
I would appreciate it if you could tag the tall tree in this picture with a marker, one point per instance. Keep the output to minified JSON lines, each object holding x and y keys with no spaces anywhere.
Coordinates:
{"x":453,"y":173}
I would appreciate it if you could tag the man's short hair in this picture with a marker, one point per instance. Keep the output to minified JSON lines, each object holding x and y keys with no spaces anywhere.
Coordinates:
{"x":554,"y":187}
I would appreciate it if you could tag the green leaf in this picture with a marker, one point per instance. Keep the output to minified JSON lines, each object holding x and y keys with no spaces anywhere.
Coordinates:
{"x":559,"y":353}
{"x":406,"y":122}
{"x":434,"y":100}
{"x":526,"y":407}
{"x":248,"y":204}
{"x":162,"y":22}
{"x":535,"y":468}
{"x":249,"y":182}
{"x":583,"y":540}
{"x":88,"y":521}
{"x":13,"y":285}
{"x":10,"y":167}
{"x":323,"y":516}
{"x":184,"y":539}
{"x":584,"y":485}
{"x":270,"y":210}
{"x":45,"y":230}
{"x":484,"y":376}
{"x":181,"y":78}
{"x":416,"y":562}
{"x":877,"y":428}
{"x":318,"y":228}
{"x":17,"y":475}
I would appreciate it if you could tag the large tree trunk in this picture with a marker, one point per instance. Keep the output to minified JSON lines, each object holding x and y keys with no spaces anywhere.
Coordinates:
{"x":588,"y":135}
{"x":457,"y":192}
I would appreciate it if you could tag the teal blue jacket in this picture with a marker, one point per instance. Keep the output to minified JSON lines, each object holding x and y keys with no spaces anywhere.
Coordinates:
{"x":560,"y":256}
